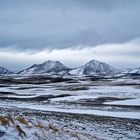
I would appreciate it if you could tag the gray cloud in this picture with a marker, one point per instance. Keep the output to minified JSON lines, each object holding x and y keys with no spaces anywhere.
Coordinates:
{"x":118,"y":55}
{"x":38,"y":24}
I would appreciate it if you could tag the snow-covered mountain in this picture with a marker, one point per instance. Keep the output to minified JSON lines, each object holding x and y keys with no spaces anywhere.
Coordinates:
{"x":131,"y":71}
{"x":53,"y":67}
{"x":5,"y":71}
{"x":94,"y":67}
{"x":56,"y":67}
{"x":126,"y":70}
{"x":135,"y":71}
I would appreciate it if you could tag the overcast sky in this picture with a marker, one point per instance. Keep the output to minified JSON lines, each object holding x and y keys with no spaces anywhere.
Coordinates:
{"x":72,"y":31}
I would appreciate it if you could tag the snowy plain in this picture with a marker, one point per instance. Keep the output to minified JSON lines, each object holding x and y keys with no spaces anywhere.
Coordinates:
{"x":112,"y":101}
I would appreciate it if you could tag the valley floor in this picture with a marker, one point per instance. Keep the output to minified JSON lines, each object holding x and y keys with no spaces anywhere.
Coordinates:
{"x":74,"y":108}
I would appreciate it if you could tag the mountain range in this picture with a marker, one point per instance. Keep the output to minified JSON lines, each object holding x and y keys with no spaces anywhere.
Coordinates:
{"x":56,"y":67}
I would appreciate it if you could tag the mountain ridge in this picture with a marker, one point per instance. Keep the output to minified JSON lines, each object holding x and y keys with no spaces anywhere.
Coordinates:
{"x":95,"y":67}
{"x":48,"y":66}
{"x":135,"y":71}
{"x":56,"y":67}
{"x":4,"y":70}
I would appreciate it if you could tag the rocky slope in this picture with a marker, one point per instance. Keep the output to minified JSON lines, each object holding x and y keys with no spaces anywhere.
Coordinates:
{"x":49,"y":66}
{"x":94,"y":67}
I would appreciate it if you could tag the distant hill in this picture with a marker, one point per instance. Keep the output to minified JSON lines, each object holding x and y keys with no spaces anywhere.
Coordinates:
{"x":5,"y":71}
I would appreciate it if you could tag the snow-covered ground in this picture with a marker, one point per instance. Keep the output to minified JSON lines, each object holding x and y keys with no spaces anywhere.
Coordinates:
{"x":58,"y":104}
{"x":130,"y":102}
{"x":103,"y":98}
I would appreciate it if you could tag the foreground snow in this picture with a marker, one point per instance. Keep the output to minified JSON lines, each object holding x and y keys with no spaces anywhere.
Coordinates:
{"x":39,"y":125}
{"x":80,"y":109}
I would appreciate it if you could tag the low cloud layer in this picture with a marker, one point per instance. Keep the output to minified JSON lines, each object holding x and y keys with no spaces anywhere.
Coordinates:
{"x":59,"y":24}
{"x":118,"y":55}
